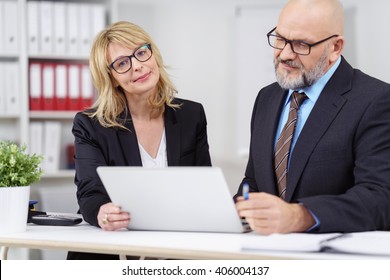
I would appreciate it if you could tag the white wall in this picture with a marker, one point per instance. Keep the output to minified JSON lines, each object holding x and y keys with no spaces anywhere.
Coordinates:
{"x":197,"y":39}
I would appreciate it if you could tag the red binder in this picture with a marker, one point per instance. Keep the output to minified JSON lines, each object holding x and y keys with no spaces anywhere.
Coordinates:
{"x":70,"y":156}
{"x":87,"y":89}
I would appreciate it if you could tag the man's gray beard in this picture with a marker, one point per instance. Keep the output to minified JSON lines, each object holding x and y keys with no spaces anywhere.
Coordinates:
{"x":305,"y":79}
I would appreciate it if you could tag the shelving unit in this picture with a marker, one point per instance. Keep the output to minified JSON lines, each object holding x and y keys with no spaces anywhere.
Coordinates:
{"x":15,"y":124}
{"x":56,"y":190}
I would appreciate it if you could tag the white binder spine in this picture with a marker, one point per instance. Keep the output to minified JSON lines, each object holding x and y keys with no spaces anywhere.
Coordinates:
{"x":36,"y":138}
{"x":11,"y":26}
{"x":46,"y":26}
{"x":33,"y":27}
{"x":12,"y":89}
{"x":52,"y":134}
{"x":59,"y":10}
{"x":73,"y":27}
{"x":2,"y":89}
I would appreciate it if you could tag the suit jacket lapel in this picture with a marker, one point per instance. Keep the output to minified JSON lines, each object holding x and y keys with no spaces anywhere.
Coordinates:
{"x":129,"y":143}
{"x":263,"y":137}
{"x":325,"y":110}
{"x":172,"y":134}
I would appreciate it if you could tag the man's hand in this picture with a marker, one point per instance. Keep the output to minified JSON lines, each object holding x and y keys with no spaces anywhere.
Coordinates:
{"x":267,"y":214}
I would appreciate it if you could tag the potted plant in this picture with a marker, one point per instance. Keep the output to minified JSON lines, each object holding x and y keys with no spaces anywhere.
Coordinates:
{"x":18,"y":170}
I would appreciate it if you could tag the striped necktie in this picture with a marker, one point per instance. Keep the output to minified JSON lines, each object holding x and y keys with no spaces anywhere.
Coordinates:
{"x":283,"y":145}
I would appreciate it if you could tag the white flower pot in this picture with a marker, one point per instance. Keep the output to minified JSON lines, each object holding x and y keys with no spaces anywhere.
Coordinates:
{"x":14,"y":209}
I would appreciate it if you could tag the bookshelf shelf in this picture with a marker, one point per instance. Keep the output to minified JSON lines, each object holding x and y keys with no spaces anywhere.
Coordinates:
{"x":52,"y":115}
{"x":10,"y":116}
{"x":61,"y":57}
{"x":9,"y":55}
{"x":61,"y":174}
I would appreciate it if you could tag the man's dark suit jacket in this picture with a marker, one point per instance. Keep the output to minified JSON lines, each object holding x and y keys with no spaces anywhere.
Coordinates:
{"x":340,"y":166}
{"x":186,"y":140}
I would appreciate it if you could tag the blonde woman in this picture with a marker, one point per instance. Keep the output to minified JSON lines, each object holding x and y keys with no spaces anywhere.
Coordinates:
{"x":135,"y":121}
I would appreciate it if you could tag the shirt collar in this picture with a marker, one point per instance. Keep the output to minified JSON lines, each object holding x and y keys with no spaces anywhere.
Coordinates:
{"x":313,"y":92}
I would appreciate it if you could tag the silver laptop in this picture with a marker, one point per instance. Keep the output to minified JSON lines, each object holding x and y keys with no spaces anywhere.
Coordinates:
{"x":173,"y":198}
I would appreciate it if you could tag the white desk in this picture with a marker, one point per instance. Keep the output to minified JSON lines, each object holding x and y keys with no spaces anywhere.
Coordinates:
{"x":174,"y":245}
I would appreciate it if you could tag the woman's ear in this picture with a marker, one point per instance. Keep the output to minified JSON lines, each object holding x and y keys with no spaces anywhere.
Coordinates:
{"x":114,"y":82}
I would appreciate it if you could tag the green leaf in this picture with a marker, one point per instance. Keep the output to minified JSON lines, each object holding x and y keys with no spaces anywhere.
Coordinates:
{"x":17,"y":168}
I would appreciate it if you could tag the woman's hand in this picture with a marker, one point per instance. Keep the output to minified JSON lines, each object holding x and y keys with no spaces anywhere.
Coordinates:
{"x":111,"y":217}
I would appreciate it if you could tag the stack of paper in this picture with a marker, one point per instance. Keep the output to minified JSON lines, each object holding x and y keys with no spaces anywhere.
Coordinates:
{"x":366,"y":243}
{"x":298,"y":242}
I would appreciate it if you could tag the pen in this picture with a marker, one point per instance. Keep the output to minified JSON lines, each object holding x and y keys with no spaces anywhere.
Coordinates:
{"x":245,"y":191}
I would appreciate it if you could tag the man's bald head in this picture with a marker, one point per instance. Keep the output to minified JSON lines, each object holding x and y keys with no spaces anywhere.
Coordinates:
{"x":323,"y":17}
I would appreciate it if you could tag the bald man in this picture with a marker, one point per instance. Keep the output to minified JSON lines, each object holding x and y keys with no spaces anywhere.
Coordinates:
{"x":337,"y":174}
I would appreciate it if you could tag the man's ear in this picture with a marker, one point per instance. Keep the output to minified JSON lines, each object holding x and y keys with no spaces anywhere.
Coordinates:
{"x":337,"y":48}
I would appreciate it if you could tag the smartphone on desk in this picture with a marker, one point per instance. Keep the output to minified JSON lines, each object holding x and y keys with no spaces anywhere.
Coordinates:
{"x":55,"y":220}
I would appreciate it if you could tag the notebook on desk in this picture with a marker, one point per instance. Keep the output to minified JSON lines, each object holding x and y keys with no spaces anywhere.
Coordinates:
{"x":173,"y":198}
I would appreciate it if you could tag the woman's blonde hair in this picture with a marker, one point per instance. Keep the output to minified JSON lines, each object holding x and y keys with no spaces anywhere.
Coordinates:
{"x":111,"y":101}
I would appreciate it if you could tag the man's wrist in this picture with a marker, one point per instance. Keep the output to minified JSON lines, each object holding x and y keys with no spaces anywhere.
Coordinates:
{"x":304,"y":220}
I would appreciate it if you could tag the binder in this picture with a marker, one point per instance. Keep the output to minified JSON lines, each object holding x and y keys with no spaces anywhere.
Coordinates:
{"x":12,"y":91}
{"x":2,"y":88}
{"x":48,"y":86}
{"x":74,"y":87}
{"x":59,"y":11}
{"x":11,"y":26}
{"x":70,"y":156}
{"x":73,"y":26}
{"x":35,"y":86}
{"x":36,"y":139}
{"x":46,"y":26}
{"x":60,"y":87}
{"x":1,"y":26}
{"x":98,"y":19}
{"x":84,"y":18}
{"x":86,"y":88}
{"x":52,"y":141}
{"x":33,"y":27}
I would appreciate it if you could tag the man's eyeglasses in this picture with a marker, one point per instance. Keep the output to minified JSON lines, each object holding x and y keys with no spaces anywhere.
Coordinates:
{"x":123,"y":64}
{"x":297,"y":46}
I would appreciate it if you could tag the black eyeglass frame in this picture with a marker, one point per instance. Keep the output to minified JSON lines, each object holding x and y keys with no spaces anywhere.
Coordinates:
{"x":148,"y":45}
{"x":287,"y":41}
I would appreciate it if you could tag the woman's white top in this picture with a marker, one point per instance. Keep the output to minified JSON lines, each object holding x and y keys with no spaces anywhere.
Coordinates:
{"x":161,"y":158}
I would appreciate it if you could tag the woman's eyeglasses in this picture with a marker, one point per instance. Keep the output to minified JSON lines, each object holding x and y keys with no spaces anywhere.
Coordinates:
{"x":123,"y":64}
